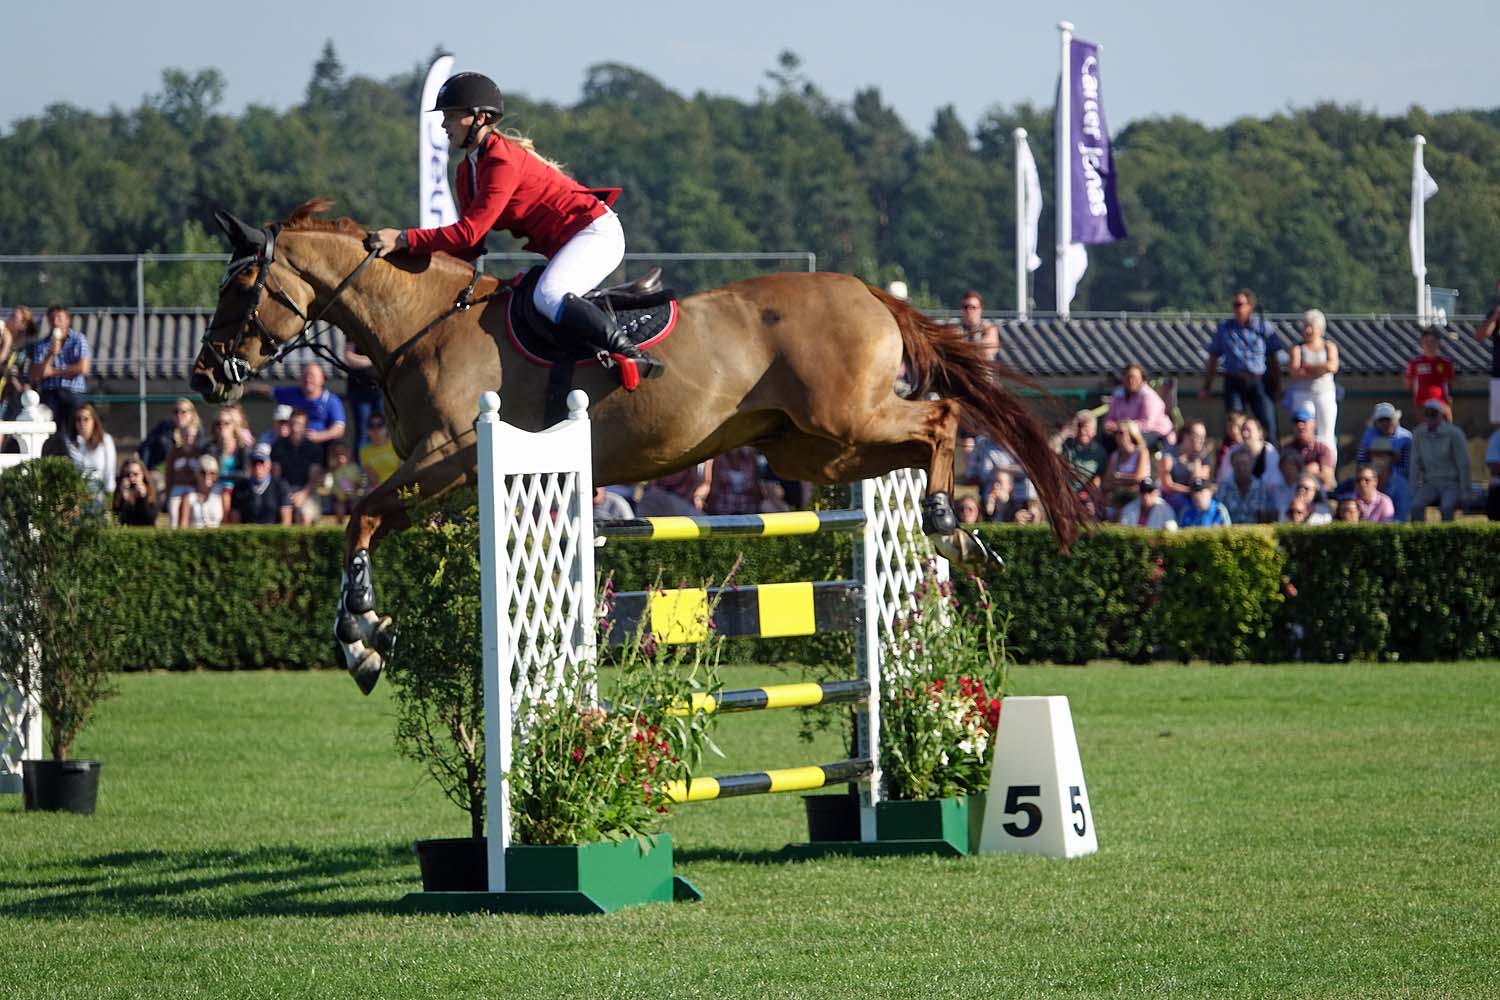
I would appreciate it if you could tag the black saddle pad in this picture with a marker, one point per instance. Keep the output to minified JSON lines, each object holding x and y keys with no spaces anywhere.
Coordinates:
{"x":542,"y":342}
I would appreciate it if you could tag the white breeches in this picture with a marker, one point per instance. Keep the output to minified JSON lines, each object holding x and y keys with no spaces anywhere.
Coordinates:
{"x":582,"y":263}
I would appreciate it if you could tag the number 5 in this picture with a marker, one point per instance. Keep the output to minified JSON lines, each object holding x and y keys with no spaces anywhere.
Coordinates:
{"x":1033,"y":812}
{"x":1082,"y":826}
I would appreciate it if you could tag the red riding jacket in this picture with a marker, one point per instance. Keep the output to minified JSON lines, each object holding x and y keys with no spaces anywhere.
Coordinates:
{"x":516,"y":191}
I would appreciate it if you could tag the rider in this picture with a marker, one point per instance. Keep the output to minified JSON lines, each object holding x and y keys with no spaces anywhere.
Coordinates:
{"x":503,"y":183}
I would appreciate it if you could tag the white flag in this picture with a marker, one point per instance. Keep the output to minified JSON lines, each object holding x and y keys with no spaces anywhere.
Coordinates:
{"x":1075,"y":262}
{"x":434,"y":197}
{"x":1422,"y":188}
{"x":1031,"y":187}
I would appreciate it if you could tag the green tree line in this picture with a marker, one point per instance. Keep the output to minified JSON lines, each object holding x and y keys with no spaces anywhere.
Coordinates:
{"x":1309,"y":207}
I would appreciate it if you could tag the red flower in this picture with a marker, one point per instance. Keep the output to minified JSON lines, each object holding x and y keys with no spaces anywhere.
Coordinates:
{"x":578,"y":755}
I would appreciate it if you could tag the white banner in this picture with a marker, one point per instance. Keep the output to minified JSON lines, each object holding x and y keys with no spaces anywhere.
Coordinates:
{"x":1031,"y":188}
{"x":435,"y":198}
{"x":1422,"y":188}
{"x":1075,"y":261}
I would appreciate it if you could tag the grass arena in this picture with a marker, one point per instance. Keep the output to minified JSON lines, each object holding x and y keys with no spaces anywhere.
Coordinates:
{"x":1292,"y":830}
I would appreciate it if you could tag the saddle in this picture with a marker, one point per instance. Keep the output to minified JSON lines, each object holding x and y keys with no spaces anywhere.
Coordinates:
{"x":644,"y":311}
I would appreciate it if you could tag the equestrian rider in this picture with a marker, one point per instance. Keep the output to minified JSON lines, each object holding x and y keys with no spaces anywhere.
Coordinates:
{"x":503,"y":184}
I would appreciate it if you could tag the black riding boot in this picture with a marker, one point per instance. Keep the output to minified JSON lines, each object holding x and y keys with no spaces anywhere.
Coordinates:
{"x":597,"y":328}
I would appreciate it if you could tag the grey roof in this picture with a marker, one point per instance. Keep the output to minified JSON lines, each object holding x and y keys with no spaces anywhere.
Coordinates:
{"x":1043,"y":346}
{"x":171,"y":343}
{"x":1046,"y":347}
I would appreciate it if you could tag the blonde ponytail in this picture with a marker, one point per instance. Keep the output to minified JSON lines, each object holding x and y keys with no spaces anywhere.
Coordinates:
{"x":515,"y":138}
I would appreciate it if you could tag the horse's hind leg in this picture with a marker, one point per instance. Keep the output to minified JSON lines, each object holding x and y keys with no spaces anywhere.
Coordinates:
{"x":364,"y":635}
{"x":896,"y":434}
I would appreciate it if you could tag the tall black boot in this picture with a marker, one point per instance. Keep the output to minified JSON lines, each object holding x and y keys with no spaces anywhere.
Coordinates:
{"x":598,"y":329}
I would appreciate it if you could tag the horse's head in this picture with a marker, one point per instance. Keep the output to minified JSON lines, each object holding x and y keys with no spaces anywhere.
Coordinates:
{"x":262,"y":310}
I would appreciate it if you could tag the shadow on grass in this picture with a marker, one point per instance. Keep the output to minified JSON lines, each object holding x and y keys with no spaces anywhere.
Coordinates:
{"x":218,"y":884}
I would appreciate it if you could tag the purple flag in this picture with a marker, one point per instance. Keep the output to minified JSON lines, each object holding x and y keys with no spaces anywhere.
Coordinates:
{"x":1096,"y":206}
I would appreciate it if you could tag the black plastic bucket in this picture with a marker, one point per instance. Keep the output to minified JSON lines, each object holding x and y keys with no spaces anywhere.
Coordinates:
{"x":453,"y":864}
{"x":61,"y":785}
{"x":832,"y":818}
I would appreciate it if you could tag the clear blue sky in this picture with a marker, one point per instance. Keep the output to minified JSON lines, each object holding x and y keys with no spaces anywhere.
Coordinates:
{"x":1210,"y":60}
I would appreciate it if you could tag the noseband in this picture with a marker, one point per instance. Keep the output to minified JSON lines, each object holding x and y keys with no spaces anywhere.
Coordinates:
{"x":234,"y":369}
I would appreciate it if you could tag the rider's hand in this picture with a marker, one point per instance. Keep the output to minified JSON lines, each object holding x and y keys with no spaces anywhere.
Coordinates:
{"x":384,"y":241}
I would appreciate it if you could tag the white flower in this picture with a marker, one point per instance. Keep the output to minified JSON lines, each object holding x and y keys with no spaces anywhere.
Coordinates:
{"x":966,"y":746}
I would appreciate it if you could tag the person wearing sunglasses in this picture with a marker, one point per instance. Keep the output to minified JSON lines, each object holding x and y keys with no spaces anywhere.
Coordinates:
{"x":1245,"y":346}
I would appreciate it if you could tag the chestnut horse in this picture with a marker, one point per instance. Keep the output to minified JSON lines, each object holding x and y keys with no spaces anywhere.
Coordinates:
{"x":802,"y":367}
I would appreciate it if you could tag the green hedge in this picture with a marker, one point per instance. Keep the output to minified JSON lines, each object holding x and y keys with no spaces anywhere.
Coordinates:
{"x":241,"y":598}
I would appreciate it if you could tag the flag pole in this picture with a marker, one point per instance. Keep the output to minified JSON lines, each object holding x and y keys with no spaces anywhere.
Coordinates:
{"x":1062,"y":166}
{"x":1419,"y":217}
{"x":1021,"y":209}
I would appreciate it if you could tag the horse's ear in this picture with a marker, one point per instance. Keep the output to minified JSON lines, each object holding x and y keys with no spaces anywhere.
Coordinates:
{"x":241,"y":235}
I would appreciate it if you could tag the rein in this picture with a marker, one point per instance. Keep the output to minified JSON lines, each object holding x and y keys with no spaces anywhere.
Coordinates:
{"x":235,"y":370}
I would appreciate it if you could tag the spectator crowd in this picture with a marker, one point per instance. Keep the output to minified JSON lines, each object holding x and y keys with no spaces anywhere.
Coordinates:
{"x":1134,"y":459}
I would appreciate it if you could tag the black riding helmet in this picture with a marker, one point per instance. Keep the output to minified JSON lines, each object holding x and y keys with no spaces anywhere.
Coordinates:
{"x":470,"y":92}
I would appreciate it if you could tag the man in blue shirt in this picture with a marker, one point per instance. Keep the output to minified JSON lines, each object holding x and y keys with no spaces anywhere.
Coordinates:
{"x":325,"y":411}
{"x":1386,"y":424}
{"x":1204,"y":511}
{"x":1246,"y":344}
{"x":59,"y":365}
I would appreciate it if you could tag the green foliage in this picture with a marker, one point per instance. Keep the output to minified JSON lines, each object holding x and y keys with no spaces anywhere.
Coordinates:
{"x":57,"y":641}
{"x":582,"y":772}
{"x":586,"y":772}
{"x":436,"y":671}
{"x":1308,"y":207}
{"x":942,"y":678}
{"x":239,"y":598}
{"x":1219,"y":590}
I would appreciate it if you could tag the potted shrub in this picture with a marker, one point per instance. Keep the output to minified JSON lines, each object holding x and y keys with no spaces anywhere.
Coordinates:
{"x":56,"y":649}
{"x":942,"y":680}
{"x":589,"y":777}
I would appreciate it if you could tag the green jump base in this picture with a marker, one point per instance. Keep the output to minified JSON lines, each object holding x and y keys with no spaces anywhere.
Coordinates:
{"x":537,"y":903}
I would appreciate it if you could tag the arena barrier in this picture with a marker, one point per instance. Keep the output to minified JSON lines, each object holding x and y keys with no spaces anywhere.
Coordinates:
{"x":537,"y":540}
{"x":20,"y":720}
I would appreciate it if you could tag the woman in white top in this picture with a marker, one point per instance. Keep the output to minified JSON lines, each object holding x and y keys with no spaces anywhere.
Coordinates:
{"x":92,"y":450}
{"x":1313,"y":364}
{"x":203,"y":505}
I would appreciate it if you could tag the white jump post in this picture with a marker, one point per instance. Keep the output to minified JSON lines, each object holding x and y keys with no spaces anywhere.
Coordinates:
{"x":536,"y":539}
{"x":20,"y":716}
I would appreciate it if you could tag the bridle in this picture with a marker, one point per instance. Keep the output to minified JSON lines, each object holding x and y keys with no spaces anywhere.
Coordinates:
{"x":234,"y":369}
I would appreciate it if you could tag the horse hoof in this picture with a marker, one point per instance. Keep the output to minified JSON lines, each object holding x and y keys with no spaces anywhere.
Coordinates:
{"x":384,"y":637}
{"x":367,"y":671}
{"x":938,"y":517}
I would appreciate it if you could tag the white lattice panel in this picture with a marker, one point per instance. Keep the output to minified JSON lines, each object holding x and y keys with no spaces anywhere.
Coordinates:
{"x":901,"y":550}
{"x":20,"y":736}
{"x":551,"y":607}
{"x":536,"y":532}
{"x":20,"y":724}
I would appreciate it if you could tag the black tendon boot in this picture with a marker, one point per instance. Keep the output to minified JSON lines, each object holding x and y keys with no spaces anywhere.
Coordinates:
{"x":597,"y":328}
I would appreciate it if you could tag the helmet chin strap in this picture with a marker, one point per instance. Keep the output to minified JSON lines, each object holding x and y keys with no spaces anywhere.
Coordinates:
{"x":473,"y":134}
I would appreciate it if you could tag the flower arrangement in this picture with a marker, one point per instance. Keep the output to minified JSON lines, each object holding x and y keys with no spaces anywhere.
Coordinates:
{"x":589,"y":770}
{"x":943,"y":676}
{"x":584,"y":770}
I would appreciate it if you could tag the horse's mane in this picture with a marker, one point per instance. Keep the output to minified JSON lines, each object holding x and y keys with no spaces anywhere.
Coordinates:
{"x":304,"y":219}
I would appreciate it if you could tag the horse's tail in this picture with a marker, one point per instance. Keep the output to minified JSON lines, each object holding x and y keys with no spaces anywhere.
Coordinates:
{"x":939,"y":359}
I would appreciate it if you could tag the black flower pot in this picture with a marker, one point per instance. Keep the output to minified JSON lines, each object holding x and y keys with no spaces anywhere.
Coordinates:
{"x":832,"y":818}
{"x":61,"y":785}
{"x":453,"y":864}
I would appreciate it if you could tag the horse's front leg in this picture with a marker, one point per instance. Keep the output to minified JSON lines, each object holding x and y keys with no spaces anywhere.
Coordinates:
{"x":364,"y":636}
{"x":441,"y":461}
